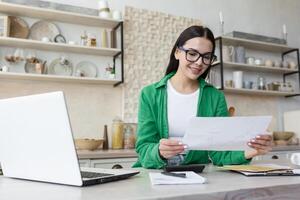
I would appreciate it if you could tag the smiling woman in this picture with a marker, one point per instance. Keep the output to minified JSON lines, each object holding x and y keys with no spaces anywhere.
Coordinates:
{"x":166,"y":106}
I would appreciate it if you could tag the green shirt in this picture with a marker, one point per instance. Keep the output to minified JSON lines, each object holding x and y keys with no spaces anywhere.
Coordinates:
{"x":153,"y":126}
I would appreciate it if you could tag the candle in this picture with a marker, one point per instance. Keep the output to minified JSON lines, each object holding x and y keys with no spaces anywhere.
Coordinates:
{"x":221,"y":17}
{"x":284,"y":29}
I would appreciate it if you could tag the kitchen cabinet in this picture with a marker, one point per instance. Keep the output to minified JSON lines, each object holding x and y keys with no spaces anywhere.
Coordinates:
{"x":252,"y":45}
{"x":66,"y":17}
{"x":125,"y":163}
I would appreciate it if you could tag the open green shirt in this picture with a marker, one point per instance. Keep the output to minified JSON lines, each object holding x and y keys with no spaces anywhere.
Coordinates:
{"x":153,"y":126}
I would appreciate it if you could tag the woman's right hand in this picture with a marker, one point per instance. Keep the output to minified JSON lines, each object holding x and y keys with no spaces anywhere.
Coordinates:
{"x":169,"y":148}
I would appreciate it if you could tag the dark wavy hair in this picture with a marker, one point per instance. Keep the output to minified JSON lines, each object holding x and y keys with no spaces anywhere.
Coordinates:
{"x":187,"y":34}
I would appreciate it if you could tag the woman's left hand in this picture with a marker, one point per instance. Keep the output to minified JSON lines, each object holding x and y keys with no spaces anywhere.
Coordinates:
{"x":260,"y":145}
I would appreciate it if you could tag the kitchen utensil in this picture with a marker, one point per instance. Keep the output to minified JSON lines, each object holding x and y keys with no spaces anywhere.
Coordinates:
{"x":18,"y":27}
{"x":42,"y":29}
{"x":238,"y":79}
{"x":61,"y":66}
{"x":88,"y":144}
{"x":295,"y":159}
{"x":86,"y":68}
{"x":240,"y":54}
{"x":282,"y":135}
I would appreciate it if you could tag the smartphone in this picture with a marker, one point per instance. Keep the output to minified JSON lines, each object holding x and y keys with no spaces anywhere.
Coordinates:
{"x":197,"y":168}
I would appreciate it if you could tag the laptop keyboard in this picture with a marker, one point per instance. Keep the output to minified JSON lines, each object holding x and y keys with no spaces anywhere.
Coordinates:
{"x":93,"y":174}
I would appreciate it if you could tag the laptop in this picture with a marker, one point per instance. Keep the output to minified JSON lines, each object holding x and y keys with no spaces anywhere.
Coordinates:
{"x":36,"y":143}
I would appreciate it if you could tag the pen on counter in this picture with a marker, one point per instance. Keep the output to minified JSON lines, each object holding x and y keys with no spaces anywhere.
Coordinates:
{"x":180,"y":175}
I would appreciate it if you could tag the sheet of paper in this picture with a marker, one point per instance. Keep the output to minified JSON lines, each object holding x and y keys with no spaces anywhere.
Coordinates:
{"x":191,"y":178}
{"x":224,"y":133}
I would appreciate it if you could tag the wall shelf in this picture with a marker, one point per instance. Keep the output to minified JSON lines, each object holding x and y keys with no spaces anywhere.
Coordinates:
{"x":255,"y":68}
{"x":55,"y":78}
{"x":257,"y":45}
{"x":258,"y":92}
{"x":56,"y":15}
{"x":51,"y":46}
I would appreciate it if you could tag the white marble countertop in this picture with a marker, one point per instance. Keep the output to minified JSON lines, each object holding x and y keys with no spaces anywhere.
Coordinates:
{"x":220,"y":185}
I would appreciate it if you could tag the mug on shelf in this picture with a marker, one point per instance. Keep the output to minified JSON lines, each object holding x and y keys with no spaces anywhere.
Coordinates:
{"x":240,"y":54}
{"x":238,"y":79}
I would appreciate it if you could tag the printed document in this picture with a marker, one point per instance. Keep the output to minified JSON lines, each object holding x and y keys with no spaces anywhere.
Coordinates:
{"x":224,"y":133}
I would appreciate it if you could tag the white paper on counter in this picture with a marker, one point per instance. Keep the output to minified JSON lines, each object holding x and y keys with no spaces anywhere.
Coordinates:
{"x":224,"y":133}
{"x":191,"y":178}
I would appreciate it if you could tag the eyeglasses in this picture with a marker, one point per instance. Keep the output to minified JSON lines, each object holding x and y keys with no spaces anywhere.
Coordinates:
{"x":192,"y":55}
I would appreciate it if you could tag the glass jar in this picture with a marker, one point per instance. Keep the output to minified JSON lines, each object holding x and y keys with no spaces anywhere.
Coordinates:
{"x":117,"y":133}
{"x":129,"y":137}
{"x":92,"y":41}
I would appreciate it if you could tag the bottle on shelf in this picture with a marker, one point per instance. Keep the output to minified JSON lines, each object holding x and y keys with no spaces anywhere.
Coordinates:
{"x":105,"y":138}
{"x":83,"y":39}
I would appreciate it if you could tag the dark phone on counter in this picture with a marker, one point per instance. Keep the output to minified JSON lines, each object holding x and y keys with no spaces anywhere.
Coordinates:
{"x":197,"y":168}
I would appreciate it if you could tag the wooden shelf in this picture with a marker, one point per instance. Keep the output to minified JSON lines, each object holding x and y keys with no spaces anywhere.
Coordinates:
{"x":56,"y":78}
{"x":50,"y":46}
{"x":257,"y":92}
{"x":257,"y":45}
{"x":242,"y":66}
{"x":56,"y":15}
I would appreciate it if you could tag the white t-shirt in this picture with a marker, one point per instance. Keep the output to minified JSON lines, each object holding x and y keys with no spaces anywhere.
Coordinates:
{"x":181,"y":107}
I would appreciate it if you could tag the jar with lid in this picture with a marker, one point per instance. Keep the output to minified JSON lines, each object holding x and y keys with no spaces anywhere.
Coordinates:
{"x":92,"y":41}
{"x":261,"y":83}
{"x":83,"y":39}
{"x":129,"y":137}
{"x":117,"y":133}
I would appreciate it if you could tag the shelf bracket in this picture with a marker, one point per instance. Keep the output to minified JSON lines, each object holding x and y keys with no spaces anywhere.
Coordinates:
{"x":121,"y":53}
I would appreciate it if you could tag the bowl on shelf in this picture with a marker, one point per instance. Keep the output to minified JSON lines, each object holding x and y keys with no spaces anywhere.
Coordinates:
{"x":282,"y":135}
{"x":88,"y":144}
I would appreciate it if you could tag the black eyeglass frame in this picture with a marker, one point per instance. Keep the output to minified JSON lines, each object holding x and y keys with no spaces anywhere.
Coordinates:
{"x":213,"y":58}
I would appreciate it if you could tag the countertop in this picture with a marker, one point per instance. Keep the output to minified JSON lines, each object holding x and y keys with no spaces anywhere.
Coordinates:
{"x":220,"y":185}
{"x":130,"y":153}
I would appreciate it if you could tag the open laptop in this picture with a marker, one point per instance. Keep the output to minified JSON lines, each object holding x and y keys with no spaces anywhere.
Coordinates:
{"x":36,"y":143}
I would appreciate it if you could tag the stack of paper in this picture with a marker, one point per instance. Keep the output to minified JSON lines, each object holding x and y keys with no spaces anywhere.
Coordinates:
{"x":260,"y":169}
{"x":191,"y":178}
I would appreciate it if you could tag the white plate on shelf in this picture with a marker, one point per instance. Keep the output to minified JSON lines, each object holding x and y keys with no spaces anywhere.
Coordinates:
{"x":43,"y":29}
{"x":86,"y":69}
{"x":57,"y":68}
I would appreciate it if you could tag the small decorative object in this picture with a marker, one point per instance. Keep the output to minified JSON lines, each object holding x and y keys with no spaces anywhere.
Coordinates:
{"x":18,"y":28}
{"x":221,"y":23}
{"x":83,"y":39}
{"x":40,"y":67}
{"x":3,"y":68}
{"x":61,"y":66}
{"x":105,"y":138}
{"x":104,"y":10}
{"x":258,"y":61}
{"x":268,"y":63}
{"x":285,"y":64}
{"x":229,"y":83}
{"x":92,"y":41}
{"x":277,"y":63}
{"x":4,"y":26}
{"x":248,"y":84}
{"x":238,"y":79}
{"x":86,"y":69}
{"x":284,"y":33}
{"x":60,"y":39}
{"x":250,"y":60}
{"x":261,"y":83}
{"x":104,"y":42}
{"x":292,"y":64}
{"x":109,"y":72}
{"x":117,"y":133}
{"x":228,"y":53}
{"x":117,"y":15}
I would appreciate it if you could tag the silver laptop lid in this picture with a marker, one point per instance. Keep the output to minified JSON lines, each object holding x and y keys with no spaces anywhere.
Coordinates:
{"x":36,"y":141}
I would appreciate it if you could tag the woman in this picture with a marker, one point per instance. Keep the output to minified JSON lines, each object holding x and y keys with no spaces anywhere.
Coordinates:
{"x":166,"y":106}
